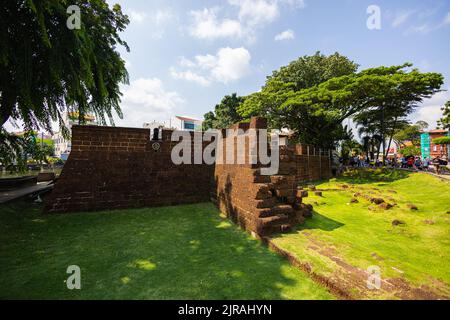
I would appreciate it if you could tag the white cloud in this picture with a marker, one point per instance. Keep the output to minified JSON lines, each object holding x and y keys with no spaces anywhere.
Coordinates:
{"x":422,"y":29}
{"x":401,"y":18}
{"x":190,"y":76}
{"x":207,"y":26}
{"x":156,"y":21}
{"x":231,"y":64}
{"x":138,"y":17}
{"x":146,"y":99}
{"x":285,"y":35}
{"x":427,"y":27}
{"x":430,"y":110}
{"x":257,"y":12}
{"x":251,"y":15}
{"x":227,"y":65}
{"x":182,"y":61}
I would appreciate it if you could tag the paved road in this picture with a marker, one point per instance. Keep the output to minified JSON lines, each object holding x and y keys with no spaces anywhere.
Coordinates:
{"x":6,"y":196}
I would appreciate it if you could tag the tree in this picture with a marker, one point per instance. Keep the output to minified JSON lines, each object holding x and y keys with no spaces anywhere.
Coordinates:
{"x":12,"y":150}
{"x":316,"y":114}
{"x":47,"y":68}
{"x":382,"y":123}
{"x":225,"y":113}
{"x":209,"y":121}
{"x":445,"y":141}
{"x":36,"y":149}
{"x":444,"y":122}
{"x":350,"y":148}
{"x":410,"y":151}
{"x":410,"y":133}
{"x":422,"y":125}
{"x":309,"y":71}
{"x":302,"y":74}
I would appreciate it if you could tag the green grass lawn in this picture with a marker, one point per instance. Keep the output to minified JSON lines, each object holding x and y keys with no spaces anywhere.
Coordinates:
{"x":344,"y":238}
{"x":184,"y":252}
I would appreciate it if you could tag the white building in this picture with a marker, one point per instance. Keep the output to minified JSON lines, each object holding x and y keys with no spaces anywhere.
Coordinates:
{"x":63,"y":146}
{"x":188,"y":124}
{"x":177,"y":123}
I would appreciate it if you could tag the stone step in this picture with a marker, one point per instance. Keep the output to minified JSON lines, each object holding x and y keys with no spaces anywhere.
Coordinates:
{"x":284,"y":209}
{"x":276,"y":220}
{"x":288,"y":192}
{"x":266,"y":203}
{"x":262,"y":191}
{"x":280,"y":180}
{"x":264,"y":213}
{"x":283,"y":228}
{"x":302,"y":193}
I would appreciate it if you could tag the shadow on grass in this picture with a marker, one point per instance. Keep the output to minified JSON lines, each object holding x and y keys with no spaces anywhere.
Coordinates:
{"x":321,"y":222}
{"x":183,"y":252}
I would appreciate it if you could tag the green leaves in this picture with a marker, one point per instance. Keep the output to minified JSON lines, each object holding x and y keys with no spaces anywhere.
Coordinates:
{"x":444,"y":122}
{"x":442,"y":140}
{"x":295,"y":97}
{"x":225,"y":113}
{"x":46,"y":68}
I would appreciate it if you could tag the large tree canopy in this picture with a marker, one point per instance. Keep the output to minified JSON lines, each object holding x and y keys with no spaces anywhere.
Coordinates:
{"x":300,"y":74}
{"x":316,"y":113}
{"x":444,"y":122}
{"x":47,"y":68}
{"x":309,"y":71}
{"x":225,"y":113}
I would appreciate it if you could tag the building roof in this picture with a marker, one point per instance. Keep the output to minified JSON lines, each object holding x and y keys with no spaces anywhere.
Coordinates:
{"x":186,"y":118}
{"x":438,"y":131}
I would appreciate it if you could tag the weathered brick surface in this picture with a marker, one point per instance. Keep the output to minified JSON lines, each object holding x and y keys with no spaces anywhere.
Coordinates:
{"x":311,"y":163}
{"x":267,"y":204}
{"x":111,"y":168}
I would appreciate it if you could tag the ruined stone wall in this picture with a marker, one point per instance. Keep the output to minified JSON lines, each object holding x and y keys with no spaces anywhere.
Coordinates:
{"x":112,"y":168}
{"x":260,"y":204}
{"x":311,"y":163}
{"x":115,"y":168}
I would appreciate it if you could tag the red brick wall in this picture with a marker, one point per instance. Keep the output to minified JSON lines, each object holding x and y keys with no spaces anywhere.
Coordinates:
{"x":312,"y":163}
{"x":440,"y":149}
{"x":112,"y":168}
{"x":267,"y":204}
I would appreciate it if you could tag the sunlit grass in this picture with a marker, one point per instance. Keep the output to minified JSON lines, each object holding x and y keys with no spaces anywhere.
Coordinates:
{"x":183,"y":252}
{"x":363,"y":235}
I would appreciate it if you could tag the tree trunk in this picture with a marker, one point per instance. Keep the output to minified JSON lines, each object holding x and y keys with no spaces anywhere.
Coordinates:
{"x":391,"y":136}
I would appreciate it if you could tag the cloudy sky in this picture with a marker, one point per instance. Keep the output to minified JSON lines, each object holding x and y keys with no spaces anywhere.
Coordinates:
{"x":186,"y":55}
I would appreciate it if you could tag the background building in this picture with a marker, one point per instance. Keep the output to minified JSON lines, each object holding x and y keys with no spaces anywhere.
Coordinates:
{"x":62,"y":145}
{"x":189,"y":124}
{"x":428,"y":148}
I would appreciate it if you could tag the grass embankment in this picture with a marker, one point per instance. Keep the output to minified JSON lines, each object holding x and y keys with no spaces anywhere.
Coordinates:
{"x":343,"y":239}
{"x":183,"y":252}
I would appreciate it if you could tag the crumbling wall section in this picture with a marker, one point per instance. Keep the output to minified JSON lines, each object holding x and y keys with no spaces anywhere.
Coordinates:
{"x":259,"y":203}
{"x":115,"y":168}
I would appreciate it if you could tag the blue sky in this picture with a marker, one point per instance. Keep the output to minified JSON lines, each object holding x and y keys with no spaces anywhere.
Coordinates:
{"x":186,"y":55}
